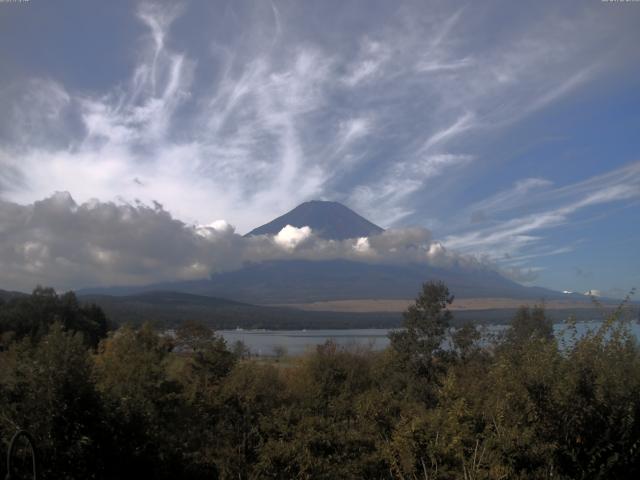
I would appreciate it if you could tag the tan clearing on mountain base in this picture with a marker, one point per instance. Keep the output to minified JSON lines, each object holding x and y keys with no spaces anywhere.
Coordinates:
{"x":399,"y":305}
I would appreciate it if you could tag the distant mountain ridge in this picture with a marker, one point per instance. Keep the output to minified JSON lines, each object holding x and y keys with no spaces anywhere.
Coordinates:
{"x":6,"y":295}
{"x":329,"y":220}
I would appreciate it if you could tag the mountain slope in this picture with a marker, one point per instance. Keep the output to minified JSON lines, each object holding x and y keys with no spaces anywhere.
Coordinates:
{"x":170,"y":308}
{"x":7,"y":295}
{"x":329,"y":220}
{"x":302,"y":281}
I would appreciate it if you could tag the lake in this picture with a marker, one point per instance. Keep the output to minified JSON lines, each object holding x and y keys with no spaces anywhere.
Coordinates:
{"x":297,"y":342}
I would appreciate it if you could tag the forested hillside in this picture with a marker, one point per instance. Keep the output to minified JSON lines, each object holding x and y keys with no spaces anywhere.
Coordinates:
{"x":132,"y":403}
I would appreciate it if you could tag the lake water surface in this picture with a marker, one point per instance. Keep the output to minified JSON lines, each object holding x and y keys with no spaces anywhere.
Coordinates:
{"x":297,"y":342}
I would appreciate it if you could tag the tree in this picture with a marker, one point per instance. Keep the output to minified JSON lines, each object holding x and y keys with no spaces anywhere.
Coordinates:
{"x":143,"y":403}
{"x":241,"y":350}
{"x":207,"y":358}
{"x":32,"y":316}
{"x":530,"y":323}
{"x":248,"y":395}
{"x":418,"y":344}
{"x":464,"y":340}
{"x":48,"y":390}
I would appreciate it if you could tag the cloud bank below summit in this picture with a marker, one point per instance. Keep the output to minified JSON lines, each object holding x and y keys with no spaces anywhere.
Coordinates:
{"x":59,"y":242}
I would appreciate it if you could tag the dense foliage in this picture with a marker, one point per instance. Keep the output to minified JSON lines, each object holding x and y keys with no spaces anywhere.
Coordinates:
{"x":437,"y":404}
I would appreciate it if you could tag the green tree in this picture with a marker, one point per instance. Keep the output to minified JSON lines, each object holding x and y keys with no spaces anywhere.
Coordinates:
{"x":31,"y":317}
{"x":530,"y":323}
{"x":250,"y":394}
{"x":207,"y":359}
{"x":324,"y":430}
{"x":47,"y":389}
{"x":418,"y":345}
{"x":464,"y":341}
{"x":143,"y":403}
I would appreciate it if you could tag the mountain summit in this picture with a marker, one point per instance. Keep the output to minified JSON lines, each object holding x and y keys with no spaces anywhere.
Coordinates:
{"x":330,"y":220}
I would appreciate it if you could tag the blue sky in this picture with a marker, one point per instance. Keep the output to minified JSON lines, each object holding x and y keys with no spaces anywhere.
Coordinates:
{"x":510,"y":131}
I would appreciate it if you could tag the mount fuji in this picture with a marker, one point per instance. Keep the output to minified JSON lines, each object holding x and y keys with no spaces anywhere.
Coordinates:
{"x":303,"y":281}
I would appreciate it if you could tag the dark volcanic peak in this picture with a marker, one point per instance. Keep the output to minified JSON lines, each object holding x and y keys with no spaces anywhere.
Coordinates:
{"x":330,"y":220}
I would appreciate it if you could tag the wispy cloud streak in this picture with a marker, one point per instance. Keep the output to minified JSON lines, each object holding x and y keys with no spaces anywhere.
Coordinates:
{"x":290,"y":119}
{"x":503,"y":231}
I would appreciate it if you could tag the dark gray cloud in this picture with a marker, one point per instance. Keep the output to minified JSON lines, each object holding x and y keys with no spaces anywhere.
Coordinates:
{"x":59,"y":242}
